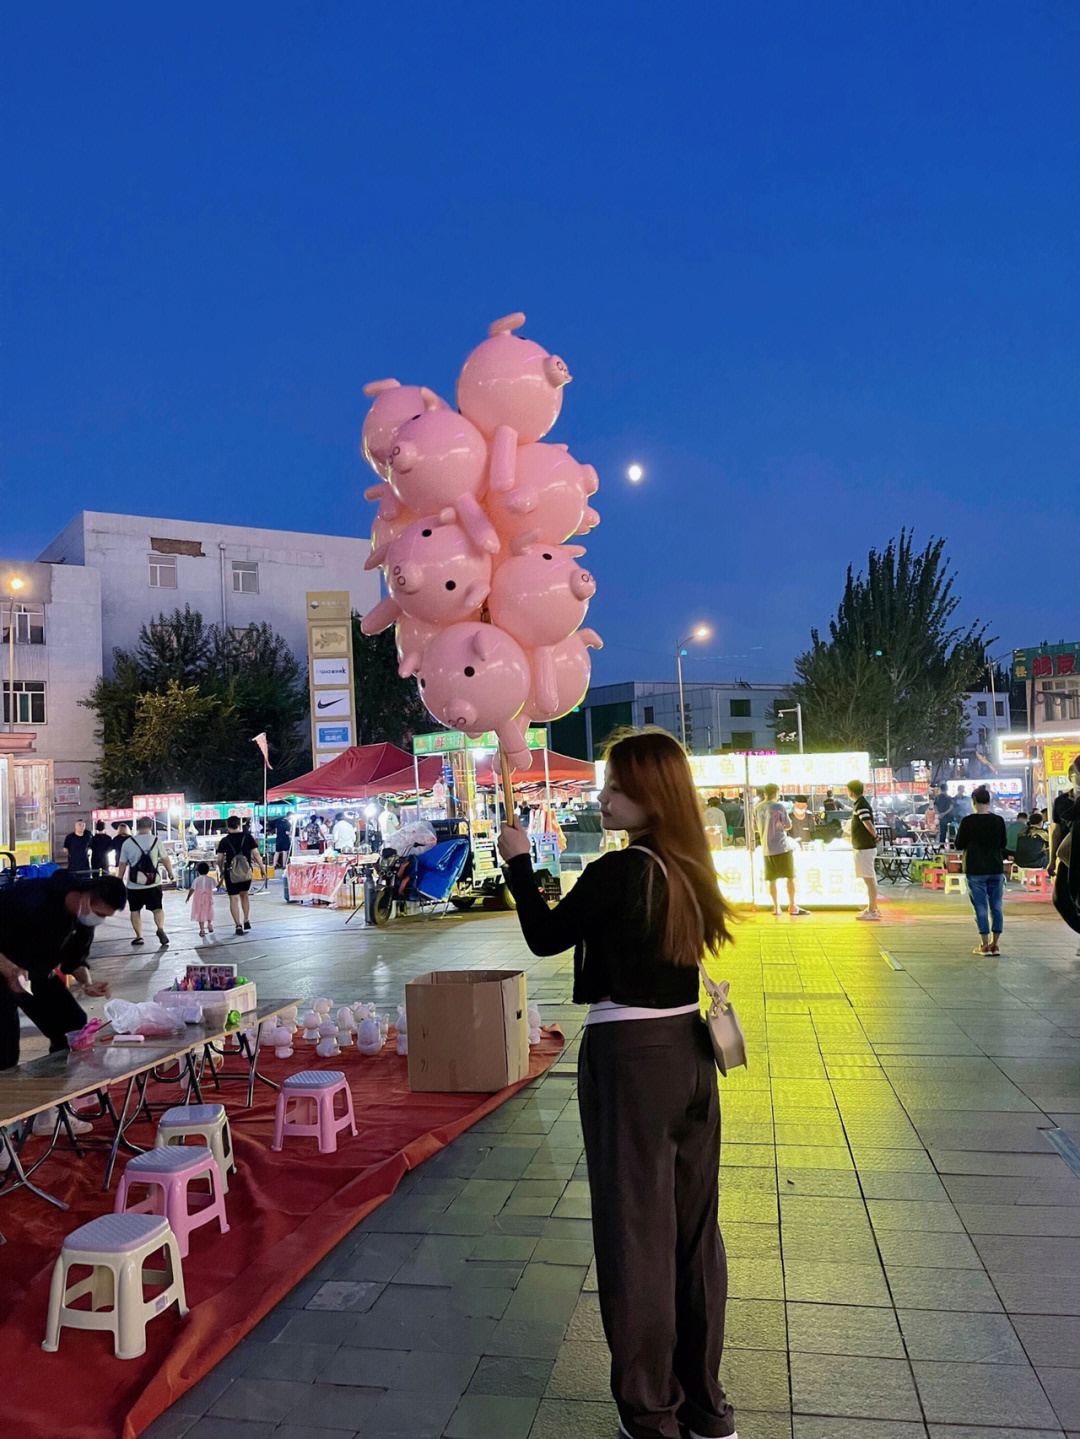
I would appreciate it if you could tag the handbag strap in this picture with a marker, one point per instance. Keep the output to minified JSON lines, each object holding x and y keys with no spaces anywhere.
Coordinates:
{"x":716,"y":992}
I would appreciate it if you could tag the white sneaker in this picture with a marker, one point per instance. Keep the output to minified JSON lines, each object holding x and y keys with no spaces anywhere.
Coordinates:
{"x":871,"y":914}
{"x":46,"y":1120}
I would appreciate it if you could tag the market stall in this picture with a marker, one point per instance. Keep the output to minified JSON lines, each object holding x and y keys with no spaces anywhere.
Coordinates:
{"x":824,"y":869}
{"x":26,"y":801}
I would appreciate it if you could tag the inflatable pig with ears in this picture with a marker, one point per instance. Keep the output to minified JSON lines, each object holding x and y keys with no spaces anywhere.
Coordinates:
{"x":549,"y":497}
{"x":412,"y":639}
{"x":539,"y":595}
{"x":511,"y":389}
{"x":433,"y":573}
{"x":561,"y":676}
{"x":393,"y":405}
{"x":439,"y":461}
{"x":475,"y":677}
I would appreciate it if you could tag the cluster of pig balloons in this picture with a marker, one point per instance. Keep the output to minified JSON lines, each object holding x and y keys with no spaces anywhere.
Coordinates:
{"x":474,"y":514}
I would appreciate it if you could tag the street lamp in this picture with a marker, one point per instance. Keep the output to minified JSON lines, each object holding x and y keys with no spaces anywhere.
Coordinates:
{"x":699,"y":632}
{"x":635,"y":474}
{"x":15,"y":585}
{"x":795,"y":710}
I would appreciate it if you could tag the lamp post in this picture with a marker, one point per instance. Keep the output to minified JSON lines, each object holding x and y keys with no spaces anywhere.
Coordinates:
{"x":699,"y":632}
{"x":795,"y":710}
{"x":15,"y":585}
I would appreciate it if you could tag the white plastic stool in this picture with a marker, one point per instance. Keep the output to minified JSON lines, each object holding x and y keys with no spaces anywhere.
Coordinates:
{"x":116,"y":1248}
{"x":957,"y":882}
{"x":210,"y":1123}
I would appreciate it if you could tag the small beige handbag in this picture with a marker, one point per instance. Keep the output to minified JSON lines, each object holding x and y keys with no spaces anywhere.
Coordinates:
{"x":725,"y":1031}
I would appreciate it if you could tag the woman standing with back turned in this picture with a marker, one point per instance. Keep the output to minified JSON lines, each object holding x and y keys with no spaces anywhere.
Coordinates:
{"x":640,"y":919}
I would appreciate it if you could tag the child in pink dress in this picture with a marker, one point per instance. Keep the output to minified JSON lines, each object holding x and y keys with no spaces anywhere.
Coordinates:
{"x":201,"y":896}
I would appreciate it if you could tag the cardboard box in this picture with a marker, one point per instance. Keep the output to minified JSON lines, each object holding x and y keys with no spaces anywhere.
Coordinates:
{"x":468,"y":1030}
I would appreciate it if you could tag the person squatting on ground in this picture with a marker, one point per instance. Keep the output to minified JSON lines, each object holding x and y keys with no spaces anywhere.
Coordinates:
{"x":640,"y":919}
{"x":983,"y":840}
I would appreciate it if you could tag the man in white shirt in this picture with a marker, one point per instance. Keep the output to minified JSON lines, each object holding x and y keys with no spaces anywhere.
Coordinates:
{"x":388,"y":822}
{"x":140,"y":859}
{"x":343,"y":835}
{"x":771,"y":820}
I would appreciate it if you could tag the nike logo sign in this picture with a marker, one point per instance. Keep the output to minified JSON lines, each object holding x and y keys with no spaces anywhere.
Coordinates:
{"x":326,"y":704}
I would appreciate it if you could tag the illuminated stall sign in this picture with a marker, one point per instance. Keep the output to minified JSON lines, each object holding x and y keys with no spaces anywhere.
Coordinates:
{"x":824,"y":877}
{"x":156,"y":803}
{"x":790,"y":772}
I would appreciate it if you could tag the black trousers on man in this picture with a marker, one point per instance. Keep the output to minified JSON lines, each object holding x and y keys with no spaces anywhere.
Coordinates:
{"x":51,"y":1007}
{"x":650,"y":1114}
{"x":1065,"y":900}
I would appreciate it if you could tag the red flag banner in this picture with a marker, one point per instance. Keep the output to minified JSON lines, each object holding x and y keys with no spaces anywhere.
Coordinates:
{"x":260,"y":740}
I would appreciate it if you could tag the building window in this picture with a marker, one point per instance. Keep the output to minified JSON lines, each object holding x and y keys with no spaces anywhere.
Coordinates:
{"x":742,"y":739}
{"x":650,"y":714}
{"x":980,"y":709}
{"x":29,"y":625}
{"x":29,"y":702}
{"x":245,"y":577}
{"x":999,"y":707}
{"x":163,"y":572}
{"x":739,"y":709}
{"x":984,"y":735}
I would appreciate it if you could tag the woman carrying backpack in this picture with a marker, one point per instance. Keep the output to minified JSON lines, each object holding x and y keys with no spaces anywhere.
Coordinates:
{"x":235,"y":866}
{"x":640,"y":919}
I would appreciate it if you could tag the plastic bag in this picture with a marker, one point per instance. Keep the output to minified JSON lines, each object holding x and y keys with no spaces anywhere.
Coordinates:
{"x":148,"y":1019}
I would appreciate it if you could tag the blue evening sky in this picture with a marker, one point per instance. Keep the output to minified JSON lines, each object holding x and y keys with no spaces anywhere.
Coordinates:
{"x":813,"y":265}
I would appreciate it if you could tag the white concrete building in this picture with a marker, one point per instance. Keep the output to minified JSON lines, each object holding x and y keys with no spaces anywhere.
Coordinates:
{"x":718,"y":716}
{"x":57,"y":660}
{"x":986,"y":715}
{"x":235,"y":576}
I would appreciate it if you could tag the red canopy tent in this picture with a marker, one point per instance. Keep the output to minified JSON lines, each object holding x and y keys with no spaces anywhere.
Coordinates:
{"x":561,"y":769}
{"x":354,"y":774}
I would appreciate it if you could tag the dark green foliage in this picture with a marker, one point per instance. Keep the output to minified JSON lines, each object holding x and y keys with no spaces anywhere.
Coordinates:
{"x":388,"y":708}
{"x":180,"y":710}
{"x":892,"y":671}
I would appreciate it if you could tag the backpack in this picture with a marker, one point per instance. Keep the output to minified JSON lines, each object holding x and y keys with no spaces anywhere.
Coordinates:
{"x":145,"y":867}
{"x":239,"y":867}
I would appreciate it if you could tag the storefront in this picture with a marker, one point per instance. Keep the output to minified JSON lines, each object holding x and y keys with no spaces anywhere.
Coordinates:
{"x":26,"y":801}
{"x":824,"y":871}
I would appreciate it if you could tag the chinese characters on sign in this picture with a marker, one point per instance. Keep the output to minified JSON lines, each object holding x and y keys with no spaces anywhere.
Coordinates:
{"x":1046,"y":661}
{"x":156,"y":803}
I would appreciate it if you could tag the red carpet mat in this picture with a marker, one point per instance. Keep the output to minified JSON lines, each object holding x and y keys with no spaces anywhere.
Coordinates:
{"x":286,"y":1212}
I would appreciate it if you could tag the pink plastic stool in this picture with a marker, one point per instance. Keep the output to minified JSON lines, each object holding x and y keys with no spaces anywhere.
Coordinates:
{"x":312,"y":1093}
{"x":167,"y":1172}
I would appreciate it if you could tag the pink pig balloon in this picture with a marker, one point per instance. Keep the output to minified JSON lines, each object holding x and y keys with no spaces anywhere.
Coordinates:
{"x":561,"y":676}
{"x":433,"y":573}
{"x":508,"y":383}
{"x":549,"y":496}
{"x":475,"y":677}
{"x":539,"y":595}
{"x":393,"y":405}
{"x":438,"y":460}
{"x":412,"y":639}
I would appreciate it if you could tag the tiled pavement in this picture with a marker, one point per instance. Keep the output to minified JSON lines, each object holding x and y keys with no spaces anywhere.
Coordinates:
{"x":904,"y":1240}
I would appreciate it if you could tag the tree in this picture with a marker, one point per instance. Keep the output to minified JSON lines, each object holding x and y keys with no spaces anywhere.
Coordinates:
{"x":891,"y":674}
{"x":179,"y":711}
{"x":388,"y":708}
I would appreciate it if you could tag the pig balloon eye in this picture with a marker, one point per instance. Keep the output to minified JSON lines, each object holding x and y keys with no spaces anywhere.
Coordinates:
{"x":451,"y":584}
{"x":426,"y":534}
{"x":469,"y":671}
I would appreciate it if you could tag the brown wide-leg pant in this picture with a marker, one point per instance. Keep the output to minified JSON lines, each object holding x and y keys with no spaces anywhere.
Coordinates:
{"x":650,"y":1115}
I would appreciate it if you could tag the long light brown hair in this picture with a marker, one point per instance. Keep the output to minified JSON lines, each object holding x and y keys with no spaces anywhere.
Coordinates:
{"x":651,"y":767}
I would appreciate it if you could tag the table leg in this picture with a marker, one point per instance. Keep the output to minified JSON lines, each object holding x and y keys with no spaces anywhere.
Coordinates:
{"x":119,"y":1131}
{"x":108,"y":1108}
{"x":251,"y":1054}
{"x":21,"y":1176}
{"x":193,"y":1078}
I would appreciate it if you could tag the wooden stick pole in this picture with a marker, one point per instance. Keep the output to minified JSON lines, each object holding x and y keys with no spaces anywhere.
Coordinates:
{"x":507,"y":786}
